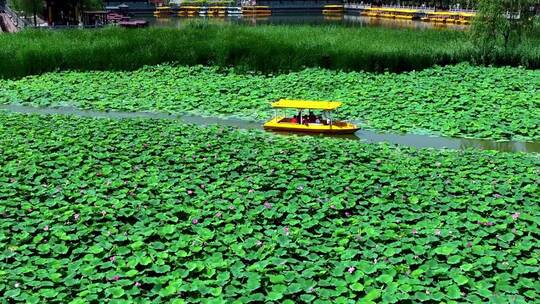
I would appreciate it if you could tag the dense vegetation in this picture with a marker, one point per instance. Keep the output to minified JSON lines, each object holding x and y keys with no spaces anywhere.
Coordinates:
{"x":158,"y":210}
{"x":497,"y":103}
{"x":262,"y":48}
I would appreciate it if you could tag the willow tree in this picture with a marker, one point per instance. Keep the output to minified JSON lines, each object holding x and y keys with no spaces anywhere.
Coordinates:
{"x":500,"y":25}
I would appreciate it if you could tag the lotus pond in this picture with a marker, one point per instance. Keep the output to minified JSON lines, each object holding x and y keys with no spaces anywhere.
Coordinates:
{"x":142,"y":210}
{"x":457,"y":101}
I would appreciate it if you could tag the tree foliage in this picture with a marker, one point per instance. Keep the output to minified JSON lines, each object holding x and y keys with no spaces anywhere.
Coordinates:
{"x":28,"y":7}
{"x":502,"y":24}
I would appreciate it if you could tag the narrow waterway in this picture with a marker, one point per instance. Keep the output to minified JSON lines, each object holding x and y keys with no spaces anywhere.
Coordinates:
{"x":367,"y":136}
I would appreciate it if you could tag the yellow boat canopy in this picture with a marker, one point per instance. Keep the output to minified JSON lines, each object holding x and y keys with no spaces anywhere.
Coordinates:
{"x":306,"y":104}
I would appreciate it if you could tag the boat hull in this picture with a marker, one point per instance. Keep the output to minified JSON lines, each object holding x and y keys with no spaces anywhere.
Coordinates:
{"x":339,"y":128}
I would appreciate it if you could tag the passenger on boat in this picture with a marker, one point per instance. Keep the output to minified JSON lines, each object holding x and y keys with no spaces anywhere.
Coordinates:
{"x":312,"y":117}
{"x":294,"y":120}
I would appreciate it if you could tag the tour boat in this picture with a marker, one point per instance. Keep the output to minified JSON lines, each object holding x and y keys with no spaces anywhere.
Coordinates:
{"x":308,"y":123}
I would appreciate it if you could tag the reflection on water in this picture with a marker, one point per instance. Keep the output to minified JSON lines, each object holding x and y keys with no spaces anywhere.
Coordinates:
{"x":347,"y":20}
{"x":410,"y":140}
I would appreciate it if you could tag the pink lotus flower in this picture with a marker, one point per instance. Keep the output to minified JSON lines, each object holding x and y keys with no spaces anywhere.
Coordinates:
{"x":267,"y":205}
{"x":195,"y":221}
{"x":414,"y":232}
{"x":516,"y":215}
{"x":333,"y":206}
{"x":497,"y":195}
{"x":351,"y":269}
{"x":300,"y":188}
{"x":218,"y":214}
{"x":202,"y":186}
{"x":116,"y":278}
{"x":251,"y":191}
{"x":190,"y":192}
{"x":231,"y":207}
{"x":437,"y":232}
{"x":258,"y":243}
{"x":17,"y":285}
{"x":103,"y":212}
{"x":489,"y":224}
{"x":46,"y":228}
{"x":76,"y":217}
{"x":286,"y":230}
{"x":137,"y":284}
{"x":469,"y":244}
{"x":347,"y":213}
{"x":113,"y":258}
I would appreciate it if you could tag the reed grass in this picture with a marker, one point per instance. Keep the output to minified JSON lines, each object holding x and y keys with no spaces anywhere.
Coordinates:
{"x":268,"y":48}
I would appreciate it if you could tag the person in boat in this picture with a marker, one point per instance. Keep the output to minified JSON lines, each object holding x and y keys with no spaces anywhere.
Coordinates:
{"x":294,"y":120}
{"x":312,"y":117}
{"x":298,"y":117}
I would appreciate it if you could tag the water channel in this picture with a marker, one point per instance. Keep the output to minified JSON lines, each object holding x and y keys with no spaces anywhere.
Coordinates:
{"x":367,"y":136}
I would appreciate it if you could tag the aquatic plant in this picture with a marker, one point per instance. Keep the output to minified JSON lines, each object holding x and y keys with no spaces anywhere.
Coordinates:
{"x":459,"y":101}
{"x":143,"y":210}
{"x":263,"y":48}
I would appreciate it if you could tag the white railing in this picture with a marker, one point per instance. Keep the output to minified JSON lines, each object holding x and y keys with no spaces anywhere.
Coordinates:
{"x":411,"y":7}
{"x":462,"y":10}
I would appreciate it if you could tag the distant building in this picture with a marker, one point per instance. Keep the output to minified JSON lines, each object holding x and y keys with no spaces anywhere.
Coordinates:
{"x":62,"y":12}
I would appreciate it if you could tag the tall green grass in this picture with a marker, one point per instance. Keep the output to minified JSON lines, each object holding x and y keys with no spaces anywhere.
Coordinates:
{"x":266,"y":48}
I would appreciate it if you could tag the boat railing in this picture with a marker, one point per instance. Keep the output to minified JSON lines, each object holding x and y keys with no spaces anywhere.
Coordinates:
{"x":422,"y":9}
{"x":460,"y":10}
{"x":357,"y":6}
